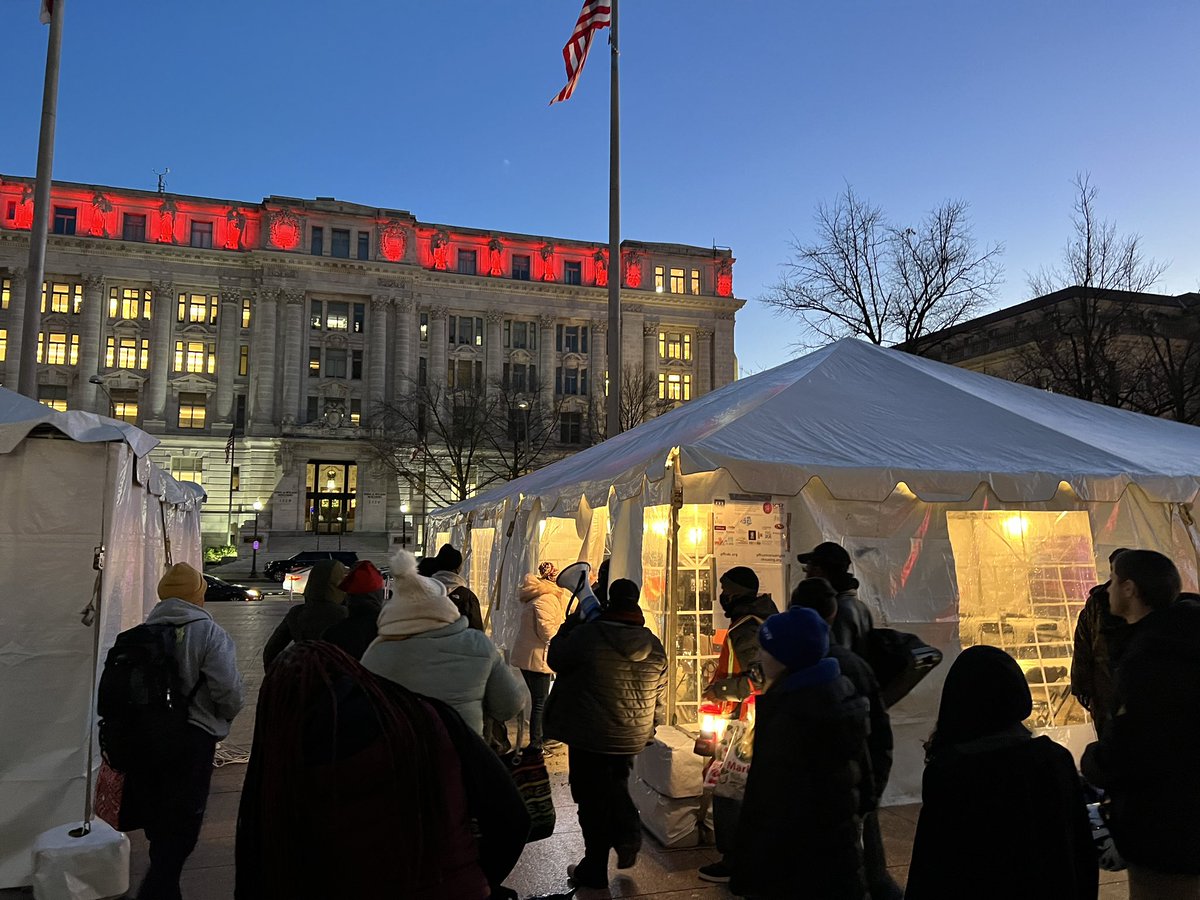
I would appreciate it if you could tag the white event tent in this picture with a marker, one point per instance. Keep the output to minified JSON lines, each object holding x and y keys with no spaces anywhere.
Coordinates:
{"x":975,"y":510}
{"x":70,"y":483}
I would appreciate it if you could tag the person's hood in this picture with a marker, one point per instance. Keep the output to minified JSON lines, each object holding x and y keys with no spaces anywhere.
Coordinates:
{"x":985,"y":692}
{"x":533,"y":587}
{"x":174,"y":611}
{"x":634,"y":642}
{"x":450,"y":579}
{"x":364,"y":604}
{"x":761,"y":606}
{"x":323,"y":580}
{"x":844,"y":583}
{"x":1178,"y":623}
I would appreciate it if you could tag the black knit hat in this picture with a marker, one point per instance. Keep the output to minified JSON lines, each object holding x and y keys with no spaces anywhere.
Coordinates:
{"x":623,"y":595}
{"x":448,"y":559}
{"x":743,"y":577}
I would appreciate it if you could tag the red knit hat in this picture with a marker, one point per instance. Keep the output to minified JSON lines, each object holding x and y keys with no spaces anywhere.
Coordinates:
{"x":364,"y":578}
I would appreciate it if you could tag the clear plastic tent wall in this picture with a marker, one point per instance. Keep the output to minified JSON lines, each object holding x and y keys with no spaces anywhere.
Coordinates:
{"x":63,"y":498}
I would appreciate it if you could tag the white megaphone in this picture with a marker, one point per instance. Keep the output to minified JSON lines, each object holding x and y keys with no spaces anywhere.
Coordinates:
{"x":575,"y":579}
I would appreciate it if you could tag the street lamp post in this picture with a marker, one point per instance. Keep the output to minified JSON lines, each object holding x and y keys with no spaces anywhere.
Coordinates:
{"x":404,"y":525}
{"x":340,"y":527}
{"x":99,"y":382}
{"x":254,"y":551}
{"x":523,"y":405}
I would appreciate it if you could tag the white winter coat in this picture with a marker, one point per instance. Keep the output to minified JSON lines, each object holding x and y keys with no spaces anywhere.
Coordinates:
{"x":543,"y":606}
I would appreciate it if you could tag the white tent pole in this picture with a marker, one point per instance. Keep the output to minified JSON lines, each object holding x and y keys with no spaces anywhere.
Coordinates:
{"x":673,"y":584}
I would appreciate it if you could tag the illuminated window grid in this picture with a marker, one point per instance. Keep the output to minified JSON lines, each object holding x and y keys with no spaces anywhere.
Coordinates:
{"x":194,"y":356}
{"x":695,"y":281}
{"x":5,"y":292}
{"x":64,"y":298}
{"x":129,"y":303}
{"x":676,"y":281}
{"x":123,"y":353}
{"x":659,"y":278}
{"x":243,"y":360}
{"x":674,"y":386}
{"x":63,"y":349}
{"x":3,"y":344}
{"x":674,"y":345}
{"x":695,"y":652}
{"x":192,"y":409}
{"x":125,"y":405}
{"x":198,"y":309}
{"x":245,"y":313}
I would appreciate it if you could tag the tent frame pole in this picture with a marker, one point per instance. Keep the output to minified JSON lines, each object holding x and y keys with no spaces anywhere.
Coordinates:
{"x":673,"y":589}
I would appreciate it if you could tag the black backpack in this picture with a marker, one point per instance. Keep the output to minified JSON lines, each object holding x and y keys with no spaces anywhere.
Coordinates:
{"x":900,"y":661}
{"x":141,"y":701}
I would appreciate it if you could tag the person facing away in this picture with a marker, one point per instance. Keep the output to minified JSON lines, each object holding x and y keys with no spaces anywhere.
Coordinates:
{"x":736,"y":676}
{"x":445,"y":568}
{"x":798,"y":835}
{"x":542,"y":609}
{"x":168,"y":799}
{"x":818,"y":595}
{"x":364,"y":589}
{"x":354,"y":789}
{"x":1003,"y":812}
{"x":1099,"y":641}
{"x":321,"y":608}
{"x":610,"y":695}
{"x":425,"y":645}
{"x":1147,"y":757}
{"x":853,"y":623}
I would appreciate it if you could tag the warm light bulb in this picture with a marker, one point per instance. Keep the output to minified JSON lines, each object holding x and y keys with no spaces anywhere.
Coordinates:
{"x":696,"y":535}
{"x":1016,"y":526}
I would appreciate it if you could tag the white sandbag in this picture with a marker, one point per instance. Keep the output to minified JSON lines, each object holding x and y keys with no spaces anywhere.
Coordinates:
{"x":670,"y":765}
{"x":673,"y":821}
{"x":90,"y":867}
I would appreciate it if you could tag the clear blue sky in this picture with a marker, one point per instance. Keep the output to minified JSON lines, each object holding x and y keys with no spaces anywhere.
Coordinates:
{"x":738,"y":116}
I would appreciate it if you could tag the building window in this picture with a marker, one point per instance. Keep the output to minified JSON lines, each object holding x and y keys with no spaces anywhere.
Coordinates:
{"x":360,"y":317}
{"x":316,"y":244}
{"x":125,"y":405}
{"x":194,"y":356}
{"x":314,"y":319}
{"x":246,"y":313}
{"x":243,"y":360}
{"x":202,"y":235}
{"x":339,"y":246}
{"x":133,"y":227}
{"x":58,"y":349}
{"x":572,"y":273}
{"x":335,"y":363}
{"x":422,"y":371}
{"x":520,"y":335}
{"x":239,"y":411}
{"x":188,"y":468}
{"x":64,"y":298}
{"x":570,"y":428}
{"x":677,"y":281}
{"x":468,"y":261}
{"x":314,"y":362}
{"x":466,"y":330}
{"x":312,"y":412}
{"x":191,"y":410}
{"x":355,"y":412}
{"x":129,"y":303}
{"x":659,"y":275}
{"x":695,"y":281}
{"x":464,"y":374}
{"x":356,"y":365}
{"x":53,"y":396}
{"x":337,"y":316}
{"x":520,"y":267}
{"x":364,"y":245}
{"x":5,"y":292}
{"x":675,"y":345}
{"x":520,"y":378}
{"x":3,"y":344}
{"x":424,"y":320}
{"x":569,"y":381}
{"x":235,"y":478}
{"x":198,"y":309}
{"x":571,"y":338}
{"x":125,"y":353}
{"x":64,"y":219}
{"x":674,"y":387}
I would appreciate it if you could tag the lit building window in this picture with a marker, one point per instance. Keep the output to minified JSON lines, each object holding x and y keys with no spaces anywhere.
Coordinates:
{"x":677,"y":281}
{"x":202,"y":233}
{"x":314,"y":362}
{"x":128,"y":303}
{"x":246,"y":313}
{"x":123,"y":353}
{"x":674,"y":386}
{"x":63,"y":349}
{"x":188,"y":468}
{"x":337,"y":316}
{"x":355,"y":412}
{"x":243,"y":360}
{"x":5,"y":292}
{"x":674,"y":345}
{"x":191,"y":413}
{"x":194,"y":356}
{"x":424,"y":328}
{"x":3,"y":344}
{"x":198,"y":309}
{"x":125,"y":403}
{"x":53,"y":396}
{"x":695,"y":281}
{"x":659,"y":277}
{"x":64,"y":298}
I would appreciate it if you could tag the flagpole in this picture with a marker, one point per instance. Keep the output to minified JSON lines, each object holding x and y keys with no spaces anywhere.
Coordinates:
{"x":232,"y":457}
{"x":36,"y":270}
{"x":615,"y":269}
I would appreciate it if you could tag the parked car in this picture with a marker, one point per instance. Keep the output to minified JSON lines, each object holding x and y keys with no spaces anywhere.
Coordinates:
{"x":276,"y":569}
{"x":224,"y":590}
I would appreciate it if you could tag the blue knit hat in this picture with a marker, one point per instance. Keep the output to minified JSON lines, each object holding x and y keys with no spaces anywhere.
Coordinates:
{"x":798,"y":638}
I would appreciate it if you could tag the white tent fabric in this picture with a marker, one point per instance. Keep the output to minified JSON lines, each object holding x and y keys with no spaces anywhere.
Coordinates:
{"x":71,"y":483}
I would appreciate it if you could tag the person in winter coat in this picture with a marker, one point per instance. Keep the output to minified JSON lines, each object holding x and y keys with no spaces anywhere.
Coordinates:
{"x":610,"y":695}
{"x":818,"y":595}
{"x":853,"y":623}
{"x":798,"y":832}
{"x":364,"y":589}
{"x":354,"y":789}
{"x":169,"y":799}
{"x":736,"y":677}
{"x":322,"y":607}
{"x":424,"y":644}
{"x":445,"y":568}
{"x":1147,"y":758}
{"x":990,"y":788}
{"x":1099,"y":641}
{"x":542,"y":609}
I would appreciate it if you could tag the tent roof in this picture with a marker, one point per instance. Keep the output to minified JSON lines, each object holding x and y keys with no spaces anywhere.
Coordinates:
{"x":863,"y":418}
{"x":19,"y":416}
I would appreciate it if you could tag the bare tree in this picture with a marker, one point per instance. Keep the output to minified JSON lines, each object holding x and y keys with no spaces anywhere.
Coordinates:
{"x":1168,"y":370}
{"x":865,"y":277}
{"x":638,"y":402}
{"x":524,"y":428}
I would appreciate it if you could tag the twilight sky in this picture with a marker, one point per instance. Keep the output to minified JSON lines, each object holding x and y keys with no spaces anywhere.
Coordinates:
{"x":737,"y":116}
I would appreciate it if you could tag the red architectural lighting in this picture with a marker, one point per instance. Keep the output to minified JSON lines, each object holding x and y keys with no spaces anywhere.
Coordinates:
{"x":166,"y":227}
{"x":725,"y":277}
{"x":285,"y":230}
{"x":392,"y":242}
{"x":439,"y":246}
{"x":601,"y":258}
{"x":633,"y":270}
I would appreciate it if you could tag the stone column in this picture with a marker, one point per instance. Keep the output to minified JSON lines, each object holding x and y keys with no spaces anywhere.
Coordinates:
{"x":597,"y":358}
{"x":262,"y":358}
{"x":228,"y":325}
{"x":723,"y":356}
{"x":704,"y":372}
{"x":493,"y":348}
{"x":631,"y":340}
{"x":546,"y":355}
{"x":377,"y":352}
{"x":293,"y":344}
{"x":162,"y":313}
{"x":405,"y":347}
{"x":16,"y":321}
{"x":89,"y":345}
{"x":650,"y":347}
{"x":437,"y":346}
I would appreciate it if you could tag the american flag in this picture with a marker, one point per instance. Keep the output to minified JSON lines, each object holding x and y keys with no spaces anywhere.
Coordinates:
{"x":229,"y":445}
{"x":596,"y":14}
{"x":47,"y":11}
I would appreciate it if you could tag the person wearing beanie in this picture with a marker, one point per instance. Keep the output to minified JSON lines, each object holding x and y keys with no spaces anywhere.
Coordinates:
{"x":831,"y":561}
{"x":169,"y":799}
{"x":818,"y":595}
{"x":610,"y":695}
{"x":426,"y":645}
{"x":986,"y":774}
{"x":323,"y":606}
{"x":735,"y":679}
{"x":446,"y":568}
{"x":543,"y":606}
{"x":797,"y":835}
{"x":364,"y":590}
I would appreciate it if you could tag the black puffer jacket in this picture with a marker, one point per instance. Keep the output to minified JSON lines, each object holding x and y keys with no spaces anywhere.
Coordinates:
{"x":1100,"y":639}
{"x":879,"y":742}
{"x":853,"y":622}
{"x":611,"y":689}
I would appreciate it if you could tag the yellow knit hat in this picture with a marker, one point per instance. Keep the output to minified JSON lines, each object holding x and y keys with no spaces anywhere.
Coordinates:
{"x":184,"y":582}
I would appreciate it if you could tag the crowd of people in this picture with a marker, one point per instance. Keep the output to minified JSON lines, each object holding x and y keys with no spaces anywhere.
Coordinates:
{"x":376,"y":767}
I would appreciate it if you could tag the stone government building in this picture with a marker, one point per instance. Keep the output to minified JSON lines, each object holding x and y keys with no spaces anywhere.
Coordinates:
{"x":291,"y":319}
